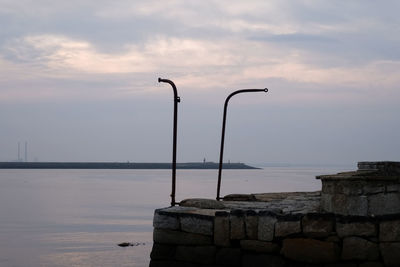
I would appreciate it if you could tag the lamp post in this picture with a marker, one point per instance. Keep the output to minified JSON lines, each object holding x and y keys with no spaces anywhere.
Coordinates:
{"x":177,"y":99}
{"x":221,"y":153}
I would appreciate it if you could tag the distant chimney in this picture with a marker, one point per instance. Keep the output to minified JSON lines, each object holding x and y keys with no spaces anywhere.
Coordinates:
{"x":19,"y":152}
{"x":26,"y":151}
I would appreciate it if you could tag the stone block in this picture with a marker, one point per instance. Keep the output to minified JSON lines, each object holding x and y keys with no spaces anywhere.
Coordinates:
{"x":371,"y":264}
{"x":202,"y":203}
{"x":383,"y":204}
{"x":390,"y":253}
{"x":164,"y":221}
{"x":356,"y":229}
{"x":373,"y":188}
{"x":228,"y":256}
{"x":266,"y":228}
{"x":392,"y":188}
{"x":155,"y":263}
{"x":351,"y":188}
{"x":257,"y":260}
{"x":285,"y":228}
{"x":251,"y":223}
{"x":333,"y":238}
{"x":389,"y":231}
{"x":326,"y":202}
{"x":339,"y":204}
{"x":259,"y":246}
{"x":197,"y":225}
{"x":356,"y":248}
{"x":171,"y":264}
{"x":237,"y":226}
{"x":196,"y":254}
{"x":162,"y":252}
{"x":310,"y":250}
{"x":328,"y":187}
{"x":165,"y":236}
{"x":317,"y":226}
{"x":339,"y":264}
{"x":357,"y":206}
{"x":222,"y":229}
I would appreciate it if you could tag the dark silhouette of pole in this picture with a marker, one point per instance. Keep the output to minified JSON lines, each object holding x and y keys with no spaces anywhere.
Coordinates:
{"x":221,"y":153}
{"x":177,"y":99}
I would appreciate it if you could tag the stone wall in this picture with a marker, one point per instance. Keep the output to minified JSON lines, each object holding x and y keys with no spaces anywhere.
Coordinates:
{"x":185,"y":236}
{"x":354,"y":222}
{"x":374,"y":189}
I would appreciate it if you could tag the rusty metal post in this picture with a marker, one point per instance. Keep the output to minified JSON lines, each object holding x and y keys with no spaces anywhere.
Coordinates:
{"x":177,"y":99}
{"x":221,"y":153}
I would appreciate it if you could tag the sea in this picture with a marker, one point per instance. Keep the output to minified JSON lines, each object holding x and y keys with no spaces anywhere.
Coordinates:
{"x":78,"y":217}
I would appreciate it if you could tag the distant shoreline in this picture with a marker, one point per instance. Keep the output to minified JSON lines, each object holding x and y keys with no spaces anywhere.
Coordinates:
{"x":119,"y":165}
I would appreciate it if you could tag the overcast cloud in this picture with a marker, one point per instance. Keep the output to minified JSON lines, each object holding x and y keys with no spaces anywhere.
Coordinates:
{"x":78,"y":80}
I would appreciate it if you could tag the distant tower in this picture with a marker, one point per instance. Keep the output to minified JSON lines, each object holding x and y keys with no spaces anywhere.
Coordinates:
{"x":26,"y":151}
{"x":19,"y":152}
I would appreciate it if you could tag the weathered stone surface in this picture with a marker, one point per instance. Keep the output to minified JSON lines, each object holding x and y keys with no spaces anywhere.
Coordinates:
{"x":390,"y":253}
{"x":237,"y":226}
{"x":222,"y":230}
{"x":333,"y":238}
{"x":328,"y":187}
{"x":310,"y":250}
{"x":383,"y":166}
{"x":339,"y":204}
{"x":197,"y":225}
{"x":339,"y":264}
{"x":356,"y":248}
{"x":165,"y":236}
{"x":389,"y":231}
{"x":393,"y":188}
{"x":172,"y":264}
{"x":156,"y":263}
{"x":357,"y":206}
{"x":317,"y":226}
{"x":162,"y":252}
{"x":259,"y":246}
{"x":240,"y":197}
{"x":371,"y":264}
{"x":326,"y":202}
{"x":373,"y":188}
{"x":345,"y":204}
{"x":202,"y":203}
{"x":355,"y":229}
{"x":365,"y":192}
{"x":382,"y":204}
{"x":197,"y":254}
{"x":228,"y":256}
{"x":166,"y":221}
{"x":257,"y":260}
{"x":285,"y":228}
{"x":294,"y":202}
{"x":251,"y":224}
{"x":266,"y":228}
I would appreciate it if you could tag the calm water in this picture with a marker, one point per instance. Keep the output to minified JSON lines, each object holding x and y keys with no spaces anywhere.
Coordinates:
{"x":77,"y":217}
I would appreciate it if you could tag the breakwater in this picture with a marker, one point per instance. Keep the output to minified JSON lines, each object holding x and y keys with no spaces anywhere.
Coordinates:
{"x":119,"y":165}
{"x":353,"y":221}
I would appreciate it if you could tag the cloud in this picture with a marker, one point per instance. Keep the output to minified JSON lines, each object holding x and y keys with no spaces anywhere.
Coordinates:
{"x":194,"y":63}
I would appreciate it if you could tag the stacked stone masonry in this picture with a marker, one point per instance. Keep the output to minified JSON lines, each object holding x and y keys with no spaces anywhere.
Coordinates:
{"x":286,"y":229}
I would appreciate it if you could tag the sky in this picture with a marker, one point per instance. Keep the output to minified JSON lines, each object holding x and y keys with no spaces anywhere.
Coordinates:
{"x":78,"y":80}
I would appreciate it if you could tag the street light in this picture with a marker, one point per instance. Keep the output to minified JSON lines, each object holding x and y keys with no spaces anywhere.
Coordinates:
{"x":221,"y":153}
{"x":177,"y":99}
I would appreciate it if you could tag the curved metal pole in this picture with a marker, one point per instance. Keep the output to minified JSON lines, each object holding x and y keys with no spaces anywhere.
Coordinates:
{"x":177,"y":99}
{"x":221,"y":153}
